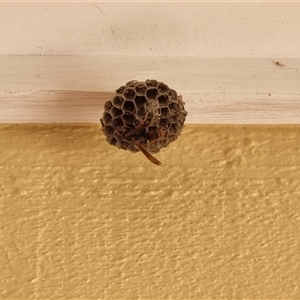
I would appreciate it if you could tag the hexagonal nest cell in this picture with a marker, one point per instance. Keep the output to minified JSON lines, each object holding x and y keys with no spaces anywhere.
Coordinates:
{"x":147,"y":114}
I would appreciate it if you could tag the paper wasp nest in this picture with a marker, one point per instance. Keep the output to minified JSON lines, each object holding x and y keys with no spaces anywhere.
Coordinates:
{"x":148,"y":113}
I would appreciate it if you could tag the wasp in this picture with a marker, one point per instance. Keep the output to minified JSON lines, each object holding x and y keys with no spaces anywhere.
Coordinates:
{"x":144,"y":134}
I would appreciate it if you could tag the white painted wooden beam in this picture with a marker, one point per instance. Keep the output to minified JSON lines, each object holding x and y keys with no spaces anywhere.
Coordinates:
{"x":216,"y":91}
{"x":59,"y":62}
{"x":252,"y":29}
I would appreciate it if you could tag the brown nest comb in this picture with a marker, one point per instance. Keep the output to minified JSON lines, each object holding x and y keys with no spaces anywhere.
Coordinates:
{"x":143,"y":116}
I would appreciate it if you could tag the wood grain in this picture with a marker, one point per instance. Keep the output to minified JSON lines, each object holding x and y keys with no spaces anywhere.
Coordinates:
{"x":216,"y":91}
{"x":192,"y":28}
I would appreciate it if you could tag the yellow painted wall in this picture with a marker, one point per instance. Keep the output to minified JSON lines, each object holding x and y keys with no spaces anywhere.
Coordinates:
{"x":81,"y":219}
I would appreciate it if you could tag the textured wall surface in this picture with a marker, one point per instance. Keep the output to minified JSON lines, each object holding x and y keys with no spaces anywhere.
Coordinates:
{"x":81,"y":219}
